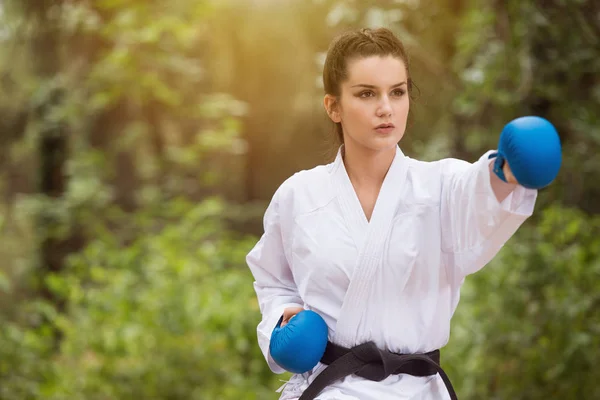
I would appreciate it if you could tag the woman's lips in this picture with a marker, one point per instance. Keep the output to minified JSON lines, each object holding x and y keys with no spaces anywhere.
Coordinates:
{"x":385,"y":128}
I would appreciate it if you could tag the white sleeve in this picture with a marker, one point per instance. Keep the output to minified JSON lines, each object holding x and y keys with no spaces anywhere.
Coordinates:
{"x":474,"y":224}
{"x":274,"y":284}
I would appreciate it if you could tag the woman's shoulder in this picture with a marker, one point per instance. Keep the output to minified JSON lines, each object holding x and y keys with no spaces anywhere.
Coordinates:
{"x":308,"y":177}
{"x":306,"y":189}
{"x":438,"y":168}
{"x":426,"y":179}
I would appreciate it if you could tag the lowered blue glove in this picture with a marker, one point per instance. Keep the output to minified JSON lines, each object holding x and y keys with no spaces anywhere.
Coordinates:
{"x":531,"y":147}
{"x":300,"y":344}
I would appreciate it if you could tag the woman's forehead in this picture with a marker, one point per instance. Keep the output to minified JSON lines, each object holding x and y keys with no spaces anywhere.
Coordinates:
{"x":376,"y":71}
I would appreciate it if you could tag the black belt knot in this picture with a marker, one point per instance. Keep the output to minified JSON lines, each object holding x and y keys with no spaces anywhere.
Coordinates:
{"x":368,"y":361}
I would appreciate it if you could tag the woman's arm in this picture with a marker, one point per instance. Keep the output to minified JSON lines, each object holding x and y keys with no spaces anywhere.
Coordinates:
{"x":274,"y":283}
{"x":479,"y":213}
{"x":502,"y":189}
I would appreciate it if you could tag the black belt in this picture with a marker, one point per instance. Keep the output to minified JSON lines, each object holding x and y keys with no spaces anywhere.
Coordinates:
{"x":368,"y":361}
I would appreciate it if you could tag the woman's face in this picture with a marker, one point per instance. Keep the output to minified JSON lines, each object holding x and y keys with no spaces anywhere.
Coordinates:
{"x":374,"y":103}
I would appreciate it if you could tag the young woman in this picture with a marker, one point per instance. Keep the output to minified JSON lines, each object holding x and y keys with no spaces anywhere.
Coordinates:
{"x":377,"y":243}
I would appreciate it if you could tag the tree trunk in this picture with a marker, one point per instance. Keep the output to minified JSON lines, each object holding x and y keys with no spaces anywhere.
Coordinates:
{"x":53,"y":145}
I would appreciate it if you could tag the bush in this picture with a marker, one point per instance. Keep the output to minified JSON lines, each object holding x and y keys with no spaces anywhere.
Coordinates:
{"x":527,"y":326}
{"x":23,"y":361}
{"x":170,"y":315}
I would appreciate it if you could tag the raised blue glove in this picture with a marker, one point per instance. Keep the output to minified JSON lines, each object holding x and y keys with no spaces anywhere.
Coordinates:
{"x":300,"y":344}
{"x":532,"y":148}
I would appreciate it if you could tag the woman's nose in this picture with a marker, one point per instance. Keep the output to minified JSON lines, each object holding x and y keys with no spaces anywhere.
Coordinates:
{"x":385,"y":108}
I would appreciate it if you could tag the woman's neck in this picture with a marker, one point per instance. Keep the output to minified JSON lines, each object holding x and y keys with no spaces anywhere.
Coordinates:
{"x":367,"y":167}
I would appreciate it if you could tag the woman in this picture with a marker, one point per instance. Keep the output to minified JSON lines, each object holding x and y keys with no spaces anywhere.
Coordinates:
{"x":378,"y":243}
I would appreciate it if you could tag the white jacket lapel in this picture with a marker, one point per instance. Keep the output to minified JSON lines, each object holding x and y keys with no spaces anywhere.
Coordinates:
{"x":370,"y":244}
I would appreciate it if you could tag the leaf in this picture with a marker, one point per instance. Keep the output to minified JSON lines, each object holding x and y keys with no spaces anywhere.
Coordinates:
{"x":5,"y":284}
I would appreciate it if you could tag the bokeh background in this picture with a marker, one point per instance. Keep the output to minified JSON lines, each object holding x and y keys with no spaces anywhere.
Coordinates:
{"x":140,"y":143}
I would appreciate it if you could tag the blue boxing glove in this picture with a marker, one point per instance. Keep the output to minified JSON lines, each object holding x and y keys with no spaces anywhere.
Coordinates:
{"x":531,"y":147}
{"x":300,"y":344}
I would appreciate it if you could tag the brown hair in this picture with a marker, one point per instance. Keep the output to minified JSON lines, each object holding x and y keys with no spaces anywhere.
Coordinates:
{"x":355,"y":45}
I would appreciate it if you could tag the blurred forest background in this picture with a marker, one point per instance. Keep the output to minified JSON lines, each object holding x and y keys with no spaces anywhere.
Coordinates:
{"x":141,"y":140}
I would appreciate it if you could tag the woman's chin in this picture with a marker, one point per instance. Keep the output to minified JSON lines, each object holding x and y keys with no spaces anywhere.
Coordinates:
{"x":383,"y":143}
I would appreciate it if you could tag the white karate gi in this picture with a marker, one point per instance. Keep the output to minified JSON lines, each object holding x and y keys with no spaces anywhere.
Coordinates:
{"x":395,"y":279}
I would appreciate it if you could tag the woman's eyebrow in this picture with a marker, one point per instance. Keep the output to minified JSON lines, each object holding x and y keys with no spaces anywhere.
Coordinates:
{"x":375,"y":87}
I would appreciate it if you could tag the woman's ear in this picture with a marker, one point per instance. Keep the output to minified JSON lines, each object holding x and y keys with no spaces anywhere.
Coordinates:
{"x":332,"y":107}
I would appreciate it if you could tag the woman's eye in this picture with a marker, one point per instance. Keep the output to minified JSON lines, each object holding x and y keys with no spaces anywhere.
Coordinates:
{"x":366,"y":94}
{"x":398,"y":92}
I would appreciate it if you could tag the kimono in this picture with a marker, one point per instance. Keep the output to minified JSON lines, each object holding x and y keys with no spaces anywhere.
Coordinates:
{"x":394,"y":279}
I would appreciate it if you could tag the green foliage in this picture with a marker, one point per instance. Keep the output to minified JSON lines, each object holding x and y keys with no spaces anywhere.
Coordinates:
{"x":527,"y":326}
{"x":24,"y":361}
{"x":516,"y":58}
{"x":159,"y":303}
{"x":171,"y":315}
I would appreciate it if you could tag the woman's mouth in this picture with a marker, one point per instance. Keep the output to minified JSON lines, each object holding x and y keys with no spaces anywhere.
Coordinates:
{"x":384,"y":128}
